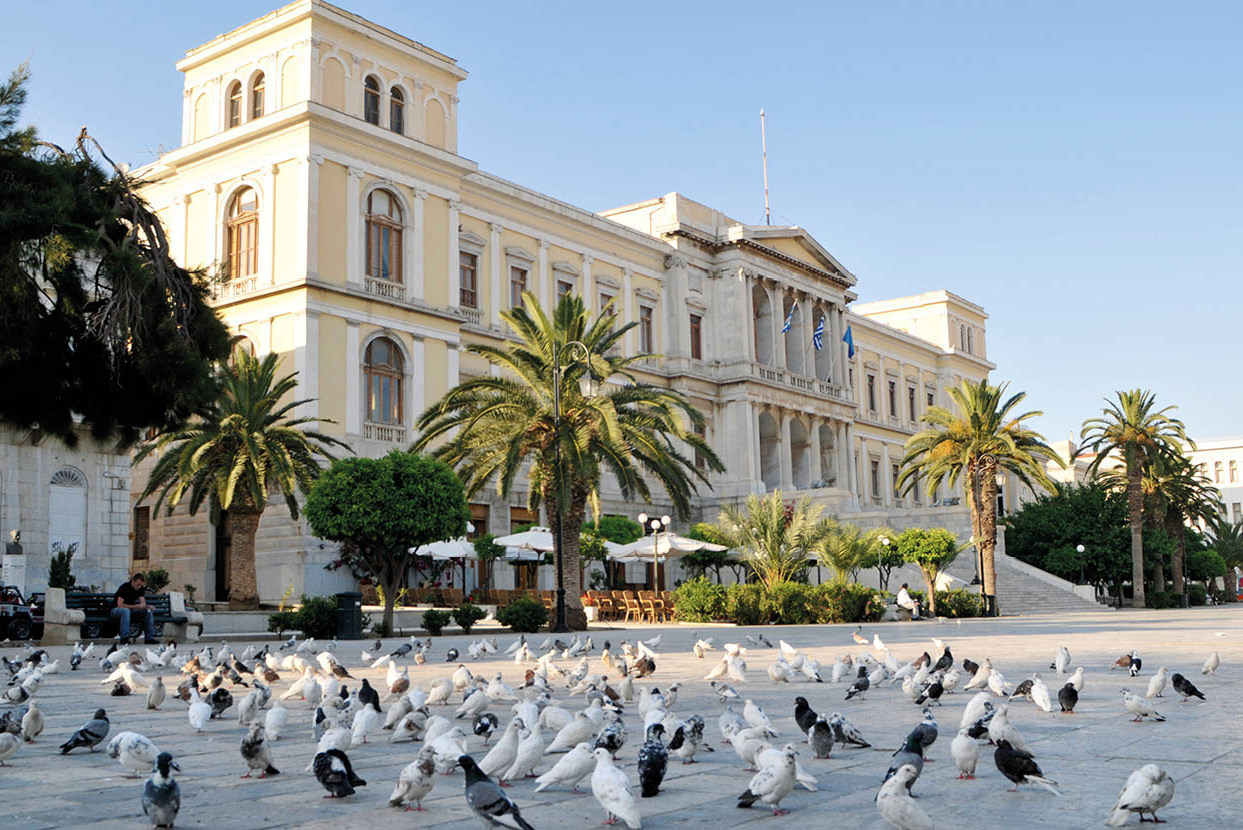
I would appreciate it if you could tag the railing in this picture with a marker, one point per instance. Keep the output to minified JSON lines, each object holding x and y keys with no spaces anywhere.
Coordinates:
{"x":386,"y":289}
{"x":389,"y":433}
{"x":236,"y":288}
{"x":472,"y":316}
{"x":802,"y":383}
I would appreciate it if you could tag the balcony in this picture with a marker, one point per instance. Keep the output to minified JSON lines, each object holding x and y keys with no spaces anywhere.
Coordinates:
{"x":230,"y":289}
{"x":386,"y":433}
{"x":470,"y":316}
{"x":386,"y":289}
{"x":801,"y":383}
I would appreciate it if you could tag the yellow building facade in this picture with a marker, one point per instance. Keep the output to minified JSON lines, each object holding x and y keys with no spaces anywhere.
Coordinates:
{"x":319,"y":175}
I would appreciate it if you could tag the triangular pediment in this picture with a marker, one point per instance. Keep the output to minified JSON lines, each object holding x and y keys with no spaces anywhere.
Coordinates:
{"x":793,"y":242}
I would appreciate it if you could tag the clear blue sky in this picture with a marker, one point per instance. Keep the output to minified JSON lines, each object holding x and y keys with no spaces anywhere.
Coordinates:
{"x":1073,"y":167}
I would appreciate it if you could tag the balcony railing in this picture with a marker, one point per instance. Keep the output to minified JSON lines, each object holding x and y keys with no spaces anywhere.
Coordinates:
{"x":388,"y":433}
{"x":386,"y":289}
{"x":236,"y":288}
{"x":802,"y":383}
{"x":472,"y":316}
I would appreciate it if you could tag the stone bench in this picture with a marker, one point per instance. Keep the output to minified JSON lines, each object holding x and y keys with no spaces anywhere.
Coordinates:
{"x":189,"y":631}
{"x":895,"y":613}
{"x":61,"y":625}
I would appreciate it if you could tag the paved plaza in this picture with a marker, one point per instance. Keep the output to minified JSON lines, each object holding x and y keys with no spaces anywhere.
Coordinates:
{"x":1090,"y":753}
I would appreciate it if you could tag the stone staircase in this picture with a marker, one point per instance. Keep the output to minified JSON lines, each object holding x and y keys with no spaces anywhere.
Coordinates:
{"x":1023,"y":589}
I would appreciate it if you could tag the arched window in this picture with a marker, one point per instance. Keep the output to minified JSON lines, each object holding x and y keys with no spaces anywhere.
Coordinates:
{"x":1234,"y":472}
{"x":962,"y":337}
{"x":256,"y":97}
{"x":371,"y":100}
{"x":1217,"y":467}
{"x":242,"y":345}
{"x":383,"y":369}
{"x":66,"y":513}
{"x":970,"y":341}
{"x":234,"y":115}
{"x":396,"y":111}
{"x":383,"y":236}
{"x":242,"y":237}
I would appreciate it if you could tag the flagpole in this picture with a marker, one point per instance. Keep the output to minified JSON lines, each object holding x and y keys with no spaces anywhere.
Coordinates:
{"x":764,"y":153}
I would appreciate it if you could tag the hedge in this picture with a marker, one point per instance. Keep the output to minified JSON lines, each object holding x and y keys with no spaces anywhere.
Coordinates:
{"x":956,"y":603}
{"x":787,"y":603}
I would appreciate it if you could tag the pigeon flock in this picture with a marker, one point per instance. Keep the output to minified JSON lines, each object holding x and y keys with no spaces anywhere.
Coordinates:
{"x":568,"y":715}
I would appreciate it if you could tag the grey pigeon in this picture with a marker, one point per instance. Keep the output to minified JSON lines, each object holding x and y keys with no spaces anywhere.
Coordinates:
{"x":926,"y":732}
{"x":255,"y":753}
{"x":860,"y":686}
{"x":653,"y":761}
{"x":90,"y":734}
{"x":845,"y":732}
{"x":335,"y":773}
{"x":1067,"y":697}
{"x":487,"y":800}
{"x":369,"y":696}
{"x":1185,"y":687}
{"x":822,"y":737}
{"x":909,"y":753}
{"x":161,"y":796}
{"x":220,"y":700}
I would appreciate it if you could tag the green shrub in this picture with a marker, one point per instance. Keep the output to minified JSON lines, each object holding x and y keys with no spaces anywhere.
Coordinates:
{"x":744,"y":604}
{"x":523,"y":614}
{"x":283,"y":621}
{"x":959,"y":603}
{"x":1160,"y":599}
{"x":435,"y":621}
{"x":851,"y":602}
{"x":157,"y":580}
{"x":1203,"y":565}
{"x":60,"y":571}
{"x":790,"y":603}
{"x":466,"y":615}
{"x":700,"y":600}
{"x":317,"y":617}
{"x":1197,"y":594}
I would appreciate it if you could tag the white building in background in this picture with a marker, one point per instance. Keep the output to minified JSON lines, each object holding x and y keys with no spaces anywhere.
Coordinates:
{"x":58,"y":497}
{"x":1221,"y":461}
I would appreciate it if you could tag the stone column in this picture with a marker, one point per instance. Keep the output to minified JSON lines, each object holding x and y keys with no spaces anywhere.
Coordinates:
{"x":817,"y":463}
{"x":455,"y":273}
{"x":353,"y":380}
{"x":544,"y":281}
{"x":412,"y":247}
{"x":588,"y":288}
{"x":308,"y":371}
{"x":777,"y":304}
{"x":353,"y":226}
{"x":418,"y":395}
{"x":842,"y":348}
{"x":748,"y":286}
{"x":831,"y":341}
{"x":785,"y":452}
{"x":494,"y":273}
{"x":886,"y":490}
{"x":809,"y":327}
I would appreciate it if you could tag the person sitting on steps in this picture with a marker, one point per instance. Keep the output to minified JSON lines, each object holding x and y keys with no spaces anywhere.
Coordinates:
{"x":906,"y":601}
{"x":132,"y":601}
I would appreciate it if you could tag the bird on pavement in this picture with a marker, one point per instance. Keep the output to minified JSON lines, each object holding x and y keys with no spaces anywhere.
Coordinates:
{"x":653,"y":761}
{"x":570,"y":768}
{"x":860,"y":686}
{"x":909,"y":754}
{"x":1068,"y":698}
{"x":1020,"y":767}
{"x":161,"y":795}
{"x":1211,"y":664}
{"x":966,"y":754}
{"x":1185,"y":687}
{"x":9,"y":744}
{"x":1157,"y":684}
{"x":926,"y":732}
{"x":1062,"y":662}
{"x":487,"y":800}
{"x":772,"y":783}
{"x":612,"y":790}
{"x":895,"y":804}
{"x":1139,"y":707}
{"x":256,"y":754}
{"x":820,"y":736}
{"x":1147,"y":790}
{"x":804,"y":715}
{"x":415,"y":781}
{"x":845,"y":732}
{"x":133,"y":751}
{"x":335,"y":773}
{"x":89,"y":734}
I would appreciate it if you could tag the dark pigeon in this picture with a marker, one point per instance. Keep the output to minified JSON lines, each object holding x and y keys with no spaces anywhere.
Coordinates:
{"x":653,"y":761}
{"x":911,"y":752}
{"x":1185,"y":687}
{"x":220,"y":700}
{"x":946,"y":661}
{"x":487,"y":800}
{"x":1068,"y":698}
{"x":334,"y":771}
{"x":860,"y":686}
{"x":931,"y":693}
{"x":970,"y":666}
{"x":804,"y":715}
{"x":1024,"y":689}
{"x":822,"y":737}
{"x":90,"y":734}
{"x":1020,"y":767}
{"x":161,"y":795}
{"x":485,"y":724}
{"x":369,"y":696}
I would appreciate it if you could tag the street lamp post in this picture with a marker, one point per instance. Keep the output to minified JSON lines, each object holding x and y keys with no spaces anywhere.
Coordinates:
{"x":1080,"y":549}
{"x":656,"y":525}
{"x":561,"y":626}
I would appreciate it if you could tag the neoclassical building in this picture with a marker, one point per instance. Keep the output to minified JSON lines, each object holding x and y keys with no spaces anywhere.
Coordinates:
{"x":319,"y":174}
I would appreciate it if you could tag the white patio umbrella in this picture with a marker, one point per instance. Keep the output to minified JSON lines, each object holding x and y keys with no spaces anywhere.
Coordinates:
{"x":457,"y":550}
{"x":660,"y":547}
{"x":534,"y":539}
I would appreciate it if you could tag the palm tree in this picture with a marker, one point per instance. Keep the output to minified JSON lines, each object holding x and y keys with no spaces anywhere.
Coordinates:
{"x":1228,"y":540}
{"x":777,"y":540}
{"x":848,"y":549}
{"x":494,"y":428}
{"x":1189,"y":497}
{"x":234,"y":456}
{"x":980,"y":435}
{"x":1134,"y":430}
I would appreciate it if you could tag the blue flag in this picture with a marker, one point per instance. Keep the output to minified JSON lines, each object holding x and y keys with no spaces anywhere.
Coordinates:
{"x":849,"y":340}
{"x":789,"y":318}
{"x":817,"y":336}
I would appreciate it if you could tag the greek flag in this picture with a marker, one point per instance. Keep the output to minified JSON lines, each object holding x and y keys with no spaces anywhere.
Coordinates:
{"x":789,"y":318}
{"x":849,"y":340}
{"x":817,"y":336}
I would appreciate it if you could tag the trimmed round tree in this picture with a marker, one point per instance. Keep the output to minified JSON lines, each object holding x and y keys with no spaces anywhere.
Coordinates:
{"x":932,"y":550}
{"x":380,"y":508}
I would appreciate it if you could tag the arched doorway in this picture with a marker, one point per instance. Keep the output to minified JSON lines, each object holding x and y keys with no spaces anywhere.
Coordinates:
{"x":770,"y":452}
{"x":762,"y":312}
{"x":800,"y":455}
{"x":66,"y":513}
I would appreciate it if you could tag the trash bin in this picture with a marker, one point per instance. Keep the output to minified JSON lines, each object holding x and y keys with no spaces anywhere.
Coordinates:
{"x":350,"y":615}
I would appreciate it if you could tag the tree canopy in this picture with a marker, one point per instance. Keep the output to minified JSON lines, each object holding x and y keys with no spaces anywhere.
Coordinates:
{"x":381,"y":508}
{"x":931,"y":549}
{"x":777,"y":540}
{"x":97,"y":322}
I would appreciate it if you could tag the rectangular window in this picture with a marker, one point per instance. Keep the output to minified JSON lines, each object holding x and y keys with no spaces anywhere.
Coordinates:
{"x":1234,"y":472}
{"x":893,"y":399}
{"x":910,"y":402}
{"x":850,"y":378}
{"x":896,"y":496}
{"x":468,"y":265}
{"x":916,"y":495}
{"x":930,"y":399}
{"x":605,"y":299}
{"x":874,"y":470}
{"x":243,"y":246}
{"x":871,"y":393}
{"x":563,"y":288}
{"x":517,"y":284}
{"x":646,"y":340}
{"x":1235,"y":512}
{"x":142,"y":532}
{"x":697,"y":351}
{"x":479,"y":519}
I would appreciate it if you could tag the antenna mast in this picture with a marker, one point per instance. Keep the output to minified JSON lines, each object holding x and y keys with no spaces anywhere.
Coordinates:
{"x":764,"y":151}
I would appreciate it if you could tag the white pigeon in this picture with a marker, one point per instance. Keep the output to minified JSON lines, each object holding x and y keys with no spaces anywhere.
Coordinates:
{"x":409,"y":728}
{"x":555,"y":718}
{"x":1000,"y":728}
{"x":780,"y":672}
{"x":811,"y":668}
{"x":877,"y":643}
{"x":274,"y":722}
{"x":366,"y":721}
{"x":1156,"y":685}
{"x":570,"y":768}
{"x":501,"y":756}
{"x":248,"y":709}
{"x":415,"y":781}
{"x":1147,"y":790}
{"x":702,"y":646}
{"x":578,"y":730}
{"x":950,"y":681}
{"x":440,"y":691}
{"x":1040,"y":694}
{"x":475,"y":702}
{"x":1062,"y":662}
{"x":980,"y":679}
{"x":9,"y":744}
{"x":1139,"y":707}
{"x":156,"y":694}
{"x":997,"y":682}
{"x":530,"y":749}
{"x":499,"y":691}
{"x":1076,"y":679}
{"x":719,"y":670}
{"x":612,"y":789}
{"x":462,"y":678}
{"x":32,"y":722}
{"x":897,"y":807}
{"x":749,"y":743}
{"x":200,"y":710}
{"x":771,"y":755}
{"x":1210,"y":666}
{"x":447,"y":748}
{"x":966,"y":754}
{"x":755,"y":716}
{"x":134,"y":752}
{"x":773,"y":782}
{"x":838,"y":671}
{"x":298,"y":686}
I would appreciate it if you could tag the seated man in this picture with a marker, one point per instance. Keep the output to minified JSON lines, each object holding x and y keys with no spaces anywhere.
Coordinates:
{"x":905,"y":601}
{"x":131,"y":600}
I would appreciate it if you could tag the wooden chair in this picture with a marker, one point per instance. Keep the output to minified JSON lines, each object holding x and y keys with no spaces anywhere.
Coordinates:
{"x":604,"y":604}
{"x":453,"y":597}
{"x":619,"y":604}
{"x":502,"y":597}
{"x":634,"y":611}
{"x":648,"y":605}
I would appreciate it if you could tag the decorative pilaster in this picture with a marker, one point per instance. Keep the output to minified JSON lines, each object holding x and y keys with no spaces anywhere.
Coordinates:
{"x":455,"y":273}
{"x":413,"y":246}
{"x":353,"y":379}
{"x":494,"y":273}
{"x":543,"y":281}
{"x":353,"y":228}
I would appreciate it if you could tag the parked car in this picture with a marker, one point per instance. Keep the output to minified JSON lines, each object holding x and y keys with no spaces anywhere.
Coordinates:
{"x":17,"y":617}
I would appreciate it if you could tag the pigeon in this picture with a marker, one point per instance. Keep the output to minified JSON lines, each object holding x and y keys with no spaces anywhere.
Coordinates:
{"x":653,"y":761}
{"x":1068,"y":698}
{"x":909,"y":754}
{"x":845,"y":732}
{"x":415,"y":781}
{"x":32,"y":722}
{"x":89,"y":735}
{"x":484,"y":724}
{"x":274,"y":722}
{"x":1147,"y":790}
{"x":1185,"y":687}
{"x":612,"y":737}
{"x":501,"y":756}
{"x":156,"y":693}
{"x":931,"y":693}
{"x":821,"y":737}
{"x":220,"y":700}
{"x":687,"y":740}
{"x":772,"y":783}
{"x":9,"y":744}
{"x":1077,"y":679}
{"x":571,"y":768}
{"x":1211,"y":664}
{"x":133,"y":751}
{"x":966,"y":754}
{"x":895,"y":804}
{"x":860,"y":686}
{"x":161,"y":795}
{"x":1157,"y":684}
{"x":1062,"y":662}
{"x":945,"y":661}
{"x":335,"y":773}
{"x":530,"y":749}
{"x":804,"y":715}
{"x":369,"y":696}
{"x":926,"y":731}
{"x":487,"y":800}
{"x":199,"y":712}
{"x":1139,"y":707}
{"x":248,"y":709}
{"x":1040,"y":694}
{"x":1020,"y":767}
{"x":255,"y":753}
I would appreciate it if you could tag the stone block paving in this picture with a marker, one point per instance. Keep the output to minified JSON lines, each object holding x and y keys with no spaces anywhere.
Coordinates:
{"x":1090,"y":753}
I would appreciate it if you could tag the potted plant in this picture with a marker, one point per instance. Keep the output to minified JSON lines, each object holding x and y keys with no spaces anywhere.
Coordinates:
{"x":589,"y":606}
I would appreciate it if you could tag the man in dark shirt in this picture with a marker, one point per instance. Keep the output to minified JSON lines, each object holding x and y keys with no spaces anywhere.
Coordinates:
{"x":131,"y":600}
